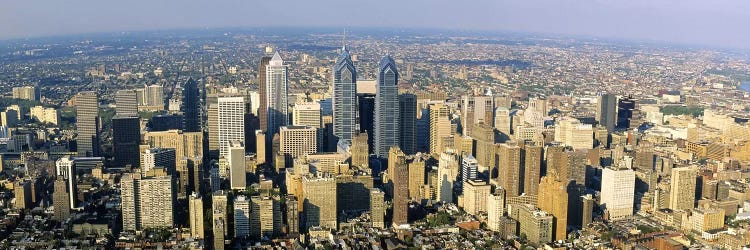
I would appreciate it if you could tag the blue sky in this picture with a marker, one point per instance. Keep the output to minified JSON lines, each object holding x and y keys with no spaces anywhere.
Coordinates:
{"x":707,"y":22}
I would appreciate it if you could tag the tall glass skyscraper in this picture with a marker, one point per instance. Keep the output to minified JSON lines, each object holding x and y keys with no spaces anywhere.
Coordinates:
{"x":386,"y":108}
{"x":344,"y":96}
{"x":87,"y":122}
{"x":276,"y":98}
{"x":191,"y":106}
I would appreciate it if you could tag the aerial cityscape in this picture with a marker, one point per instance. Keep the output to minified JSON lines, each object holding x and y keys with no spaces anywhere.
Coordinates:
{"x":354,"y":137}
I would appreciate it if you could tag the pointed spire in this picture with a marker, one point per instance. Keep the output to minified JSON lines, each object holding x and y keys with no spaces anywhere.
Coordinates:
{"x":343,"y":43}
{"x":276,"y":60}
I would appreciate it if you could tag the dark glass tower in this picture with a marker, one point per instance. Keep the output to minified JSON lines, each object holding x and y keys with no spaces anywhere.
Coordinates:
{"x":344,"y":97}
{"x":126,"y":137}
{"x":191,"y":106}
{"x":366,"y":106}
{"x":625,"y":107}
{"x":387,"y":129}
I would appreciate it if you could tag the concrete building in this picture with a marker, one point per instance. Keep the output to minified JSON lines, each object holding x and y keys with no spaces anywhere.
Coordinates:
{"x":536,"y":224}
{"x":231,"y":121}
{"x":440,"y":127}
{"x":475,"y":196}
{"x":448,"y":171}
{"x":61,"y":200}
{"x":495,"y":209}
{"x":618,"y":192}
{"x":147,"y":202}
{"x":319,"y":201}
{"x":126,"y":101}
{"x":265,"y":219}
{"x":377,"y":208}
{"x":164,"y":158}
{"x":296,"y":141}
{"x":45,"y":115}
{"x":509,"y":170}
{"x":236,"y":160}
{"x":553,"y":198}
{"x":195,"y":203}
{"x":682,"y":188}
{"x":26,"y":93}
{"x":476,"y":109}
{"x":241,"y":217}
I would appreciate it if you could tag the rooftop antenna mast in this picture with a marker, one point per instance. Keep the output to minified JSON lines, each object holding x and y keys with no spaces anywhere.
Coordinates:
{"x":343,"y":42}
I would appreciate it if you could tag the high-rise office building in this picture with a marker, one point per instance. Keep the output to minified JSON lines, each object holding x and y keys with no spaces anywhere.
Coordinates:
{"x":265,"y":219}
{"x":377,"y":208}
{"x":495,"y":209}
{"x":27,"y":93}
{"x":618,"y":192}
{"x":126,"y":137}
{"x":469,"y":166}
{"x":9,"y":118}
{"x":147,"y":202}
{"x":126,"y":102}
{"x":535,"y":224}
{"x":606,"y":112}
{"x":398,"y":172}
{"x":188,"y":148}
{"x":484,"y":136}
{"x":241,"y":216}
{"x":476,"y":109}
{"x":625,"y":107}
{"x":366,"y":113}
{"x":359,"y":150}
{"x":344,"y":96}
{"x":320,"y":202}
{"x":575,"y":134}
{"x":195,"y":203}
{"x":682,"y":188}
{"x":408,"y":123}
{"x":164,"y":158}
{"x":308,"y":114}
{"x":260,"y":147}
{"x":553,"y":198}
{"x":66,"y":169}
{"x":447,"y":174}
{"x":276,"y":94}
{"x":532,"y":168}
{"x":87,"y":123}
{"x":231,"y":121}
{"x":219,"y":218}
{"x":61,"y":200}
{"x":292,"y":215}
{"x":503,"y":123}
{"x":263,"y":92}
{"x":387,"y":128}
{"x":417,"y":170}
{"x":22,"y":193}
{"x":191,"y":106}
{"x":154,"y":96}
{"x":236,"y":158}
{"x":509,"y":169}
{"x":296,"y":141}
{"x":475,"y":194}
{"x":440,"y":127}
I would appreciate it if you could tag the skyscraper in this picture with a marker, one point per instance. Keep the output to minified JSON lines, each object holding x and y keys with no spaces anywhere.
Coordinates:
{"x":475,"y":194}
{"x":195,"y":203}
{"x":606,"y":111}
{"x":320,"y":201}
{"x":618,"y":192}
{"x":296,"y":141}
{"x":387,"y":128}
{"x":276,"y":94}
{"x":231,"y":121}
{"x":188,"y":148}
{"x":147,"y":202}
{"x":553,"y":198}
{"x":625,"y":107}
{"x":682,"y":188}
{"x":440,"y":127}
{"x":344,"y":96}
{"x":241,"y":216}
{"x":447,"y":173}
{"x":60,"y":200}
{"x":359,"y":150}
{"x":476,"y":109}
{"x":265,"y":219}
{"x":262,"y":78}
{"x":377,"y":208}
{"x":408,"y":123}
{"x":399,"y":173}
{"x":126,"y":137}
{"x":468,"y":169}
{"x":126,"y":102}
{"x":87,"y":122}
{"x":236,"y":158}
{"x":366,"y":112}
{"x":191,"y":106}
{"x":532,"y":168}
{"x":154,"y":96}
{"x":509,"y":169}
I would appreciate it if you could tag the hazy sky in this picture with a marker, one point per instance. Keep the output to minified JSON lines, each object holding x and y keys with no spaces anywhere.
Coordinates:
{"x":708,"y":22}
